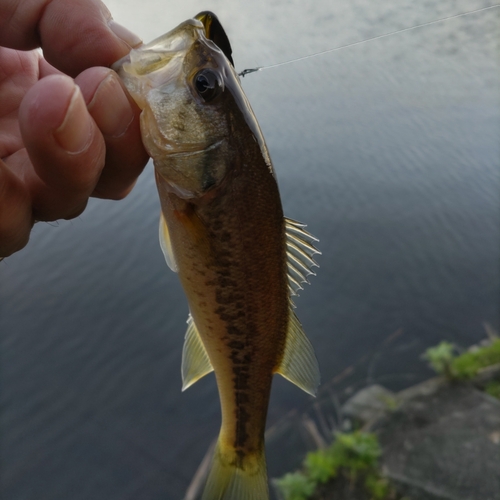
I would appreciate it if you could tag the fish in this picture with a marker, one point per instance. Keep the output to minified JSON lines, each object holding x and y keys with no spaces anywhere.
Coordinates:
{"x":222,"y":229}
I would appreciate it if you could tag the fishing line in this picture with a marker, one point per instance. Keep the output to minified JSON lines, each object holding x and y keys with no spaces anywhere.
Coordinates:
{"x":359,"y":42}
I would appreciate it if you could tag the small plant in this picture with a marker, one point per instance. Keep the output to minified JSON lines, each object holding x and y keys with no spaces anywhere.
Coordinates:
{"x":295,"y":486}
{"x":379,"y":487}
{"x":440,"y":358}
{"x":444,"y":361}
{"x":357,"y":450}
{"x":349,"y":454}
{"x":493,"y":388}
{"x":390,"y":402}
{"x":468,"y":364}
{"x":320,"y":466}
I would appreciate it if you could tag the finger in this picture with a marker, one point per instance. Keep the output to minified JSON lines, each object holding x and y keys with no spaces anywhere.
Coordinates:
{"x":74,"y":34}
{"x":15,"y":213}
{"x":46,"y":69}
{"x":65,"y":146}
{"x":18,"y":72}
{"x":118,"y":118}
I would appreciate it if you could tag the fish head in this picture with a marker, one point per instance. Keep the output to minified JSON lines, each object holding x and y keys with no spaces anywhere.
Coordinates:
{"x":185,"y":85}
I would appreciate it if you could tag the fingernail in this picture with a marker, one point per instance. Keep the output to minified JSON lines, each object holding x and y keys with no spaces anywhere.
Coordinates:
{"x":110,"y":108}
{"x":74,"y":135}
{"x":124,"y":34}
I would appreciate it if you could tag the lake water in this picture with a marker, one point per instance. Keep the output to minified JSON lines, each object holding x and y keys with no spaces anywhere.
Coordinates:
{"x":389,"y":151}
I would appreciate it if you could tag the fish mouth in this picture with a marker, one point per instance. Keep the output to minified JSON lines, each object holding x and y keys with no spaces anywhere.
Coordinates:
{"x":157,"y":63}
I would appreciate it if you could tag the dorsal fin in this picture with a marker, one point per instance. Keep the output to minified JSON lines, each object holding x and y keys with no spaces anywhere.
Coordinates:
{"x":195,"y":361}
{"x":300,"y":252}
{"x":166,"y":245}
{"x":215,"y":32}
{"x":299,"y":364}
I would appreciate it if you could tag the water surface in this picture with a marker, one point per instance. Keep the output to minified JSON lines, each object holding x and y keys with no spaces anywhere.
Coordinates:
{"x":388,"y":151}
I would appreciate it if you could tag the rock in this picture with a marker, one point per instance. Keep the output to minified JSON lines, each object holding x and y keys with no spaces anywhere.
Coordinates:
{"x":369,"y":404}
{"x":443,"y":443}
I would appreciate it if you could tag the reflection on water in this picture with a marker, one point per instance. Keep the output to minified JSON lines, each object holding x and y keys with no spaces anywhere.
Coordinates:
{"x":389,"y":151}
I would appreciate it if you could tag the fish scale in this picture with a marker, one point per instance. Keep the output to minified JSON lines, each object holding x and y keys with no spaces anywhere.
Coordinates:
{"x":222,"y":229}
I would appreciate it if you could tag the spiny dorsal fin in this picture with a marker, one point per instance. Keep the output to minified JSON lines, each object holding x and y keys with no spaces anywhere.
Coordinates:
{"x":300,"y":251}
{"x":195,"y":361}
{"x":166,"y":245}
{"x":299,"y":364}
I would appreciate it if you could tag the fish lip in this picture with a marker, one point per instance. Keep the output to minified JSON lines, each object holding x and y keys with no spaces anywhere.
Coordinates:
{"x":185,"y":150}
{"x":118,"y":65}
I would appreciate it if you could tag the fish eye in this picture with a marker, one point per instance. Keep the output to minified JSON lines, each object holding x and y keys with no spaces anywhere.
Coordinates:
{"x":207,"y":84}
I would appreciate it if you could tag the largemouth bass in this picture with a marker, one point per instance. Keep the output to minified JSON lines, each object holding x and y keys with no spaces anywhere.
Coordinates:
{"x":222,"y":230}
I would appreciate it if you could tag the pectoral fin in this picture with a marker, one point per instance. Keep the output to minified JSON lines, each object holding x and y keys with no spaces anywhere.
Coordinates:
{"x":166,"y":245}
{"x":195,"y":361}
{"x":299,"y":364}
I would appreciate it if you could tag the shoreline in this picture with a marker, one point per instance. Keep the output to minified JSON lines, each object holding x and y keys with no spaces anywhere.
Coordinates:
{"x":440,"y":439}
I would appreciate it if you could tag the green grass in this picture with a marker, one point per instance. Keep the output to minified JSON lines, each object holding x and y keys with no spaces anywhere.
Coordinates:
{"x":443,"y":360}
{"x":440,"y":358}
{"x":356,"y":451}
{"x":468,"y":364}
{"x":295,"y":486}
{"x":352,"y":454}
{"x":320,"y":466}
{"x":493,"y":388}
{"x":378,"y":487}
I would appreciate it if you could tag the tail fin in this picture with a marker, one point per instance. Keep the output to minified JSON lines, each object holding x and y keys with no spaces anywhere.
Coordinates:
{"x":234,"y":478}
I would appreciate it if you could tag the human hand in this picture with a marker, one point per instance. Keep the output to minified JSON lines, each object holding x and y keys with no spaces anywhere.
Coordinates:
{"x":62,"y":140}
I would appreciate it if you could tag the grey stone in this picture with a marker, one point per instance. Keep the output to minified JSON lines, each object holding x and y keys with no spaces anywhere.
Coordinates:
{"x":443,"y":443}
{"x":370,"y":404}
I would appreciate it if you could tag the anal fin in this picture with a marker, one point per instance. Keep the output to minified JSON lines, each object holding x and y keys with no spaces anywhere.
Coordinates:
{"x":299,"y":364}
{"x":195,"y":361}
